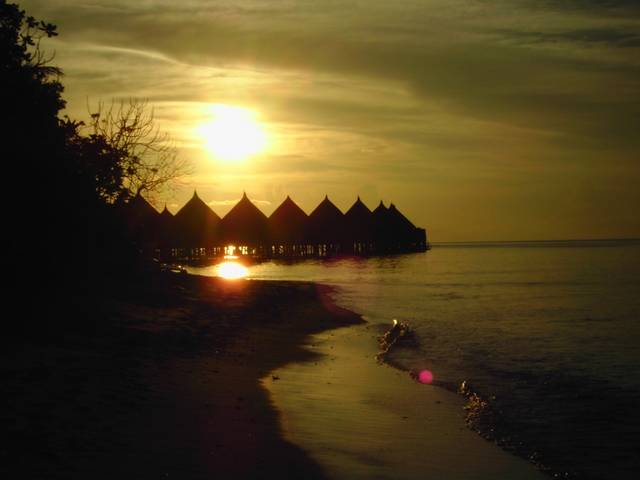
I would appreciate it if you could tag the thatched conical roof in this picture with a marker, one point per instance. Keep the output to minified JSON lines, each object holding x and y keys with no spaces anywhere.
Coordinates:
{"x":166,"y":228}
{"x":399,"y":218}
{"x":359,"y":221}
{"x":382,"y":223}
{"x":166,"y":213}
{"x":380,"y":211}
{"x":401,"y":227}
{"x":195,"y":224}
{"x":326,"y":231}
{"x":139,"y":208}
{"x":326,"y":223}
{"x":141,"y":218}
{"x":245,"y":224}
{"x":288,"y":222}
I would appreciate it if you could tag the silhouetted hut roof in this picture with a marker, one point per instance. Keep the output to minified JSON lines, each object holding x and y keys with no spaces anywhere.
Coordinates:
{"x":166,"y":213}
{"x":326,"y":222}
{"x":141,"y":218}
{"x":245,"y":224}
{"x":288,"y":222}
{"x":138,"y":207}
{"x":166,"y":230}
{"x":400,"y":224}
{"x":359,"y":221}
{"x":380,"y":211}
{"x":382,"y":223}
{"x":195,"y":224}
{"x":398,"y":217}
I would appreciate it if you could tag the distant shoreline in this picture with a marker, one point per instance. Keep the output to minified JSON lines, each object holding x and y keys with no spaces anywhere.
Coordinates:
{"x":600,"y":242}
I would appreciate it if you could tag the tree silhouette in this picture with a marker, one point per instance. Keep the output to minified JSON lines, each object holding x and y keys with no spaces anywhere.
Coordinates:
{"x":123,"y":154}
{"x":146,"y":156}
{"x":62,"y":218}
{"x":30,"y":90}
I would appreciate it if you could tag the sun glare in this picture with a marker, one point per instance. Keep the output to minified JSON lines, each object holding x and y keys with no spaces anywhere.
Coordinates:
{"x":233,"y":133}
{"x":231,"y":270}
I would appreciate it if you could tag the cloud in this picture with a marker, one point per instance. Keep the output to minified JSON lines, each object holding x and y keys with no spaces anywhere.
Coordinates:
{"x":469,"y":72}
{"x":438,"y":103}
{"x":622,"y":38}
{"x":620,"y":7}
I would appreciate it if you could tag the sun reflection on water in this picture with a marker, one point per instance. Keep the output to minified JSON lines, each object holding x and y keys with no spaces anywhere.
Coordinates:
{"x":231,"y":270}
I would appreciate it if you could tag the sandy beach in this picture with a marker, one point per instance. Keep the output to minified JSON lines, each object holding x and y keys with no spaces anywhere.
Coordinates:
{"x":359,"y":419}
{"x":194,"y":377}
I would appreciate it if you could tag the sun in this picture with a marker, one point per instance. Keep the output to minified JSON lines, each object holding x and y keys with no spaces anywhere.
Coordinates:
{"x":233,"y":133}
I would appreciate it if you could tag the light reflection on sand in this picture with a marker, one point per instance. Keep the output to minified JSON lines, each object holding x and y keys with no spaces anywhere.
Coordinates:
{"x":359,"y":419}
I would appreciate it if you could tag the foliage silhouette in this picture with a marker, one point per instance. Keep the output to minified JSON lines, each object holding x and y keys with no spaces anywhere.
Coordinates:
{"x":66,"y":226}
{"x":146,"y":157}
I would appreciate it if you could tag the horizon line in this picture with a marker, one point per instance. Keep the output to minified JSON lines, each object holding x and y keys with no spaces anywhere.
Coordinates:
{"x":568,"y":240}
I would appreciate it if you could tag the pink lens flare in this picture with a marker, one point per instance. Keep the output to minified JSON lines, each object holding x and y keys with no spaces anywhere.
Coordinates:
{"x":426,"y":377}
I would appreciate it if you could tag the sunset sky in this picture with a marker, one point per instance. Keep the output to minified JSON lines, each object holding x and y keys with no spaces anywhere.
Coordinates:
{"x":480,"y":120}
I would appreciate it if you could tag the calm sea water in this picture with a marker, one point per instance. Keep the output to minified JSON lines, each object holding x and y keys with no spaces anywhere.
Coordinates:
{"x":547,"y":333}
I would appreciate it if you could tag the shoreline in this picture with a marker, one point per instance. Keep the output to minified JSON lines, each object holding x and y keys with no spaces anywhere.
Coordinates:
{"x":373,"y":421}
{"x":161,"y":379}
{"x":183,"y":376}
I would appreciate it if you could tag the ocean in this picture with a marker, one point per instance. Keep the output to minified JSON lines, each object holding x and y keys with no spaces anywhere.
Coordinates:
{"x":544,"y":335}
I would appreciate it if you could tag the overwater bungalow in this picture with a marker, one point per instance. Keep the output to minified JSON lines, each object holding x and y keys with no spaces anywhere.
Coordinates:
{"x":166,"y":231}
{"x":359,"y":229}
{"x":246,"y":228}
{"x":196,"y":232}
{"x":288,"y":230}
{"x":325,"y":230}
{"x":141,"y":221}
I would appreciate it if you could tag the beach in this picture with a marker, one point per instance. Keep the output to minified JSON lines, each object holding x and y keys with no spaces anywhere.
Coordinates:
{"x":546,"y":334}
{"x":180,"y":376}
{"x":360,"y":419}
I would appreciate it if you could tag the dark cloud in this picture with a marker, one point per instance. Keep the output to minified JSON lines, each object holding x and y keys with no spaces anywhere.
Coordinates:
{"x":479,"y":77}
{"x":606,"y":36}
{"x":618,"y":7}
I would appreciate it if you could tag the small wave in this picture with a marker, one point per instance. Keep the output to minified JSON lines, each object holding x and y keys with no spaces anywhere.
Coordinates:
{"x":400,"y":334}
{"x":483,"y":413}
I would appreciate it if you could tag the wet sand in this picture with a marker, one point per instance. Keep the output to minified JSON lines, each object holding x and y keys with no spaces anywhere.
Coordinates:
{"x":358,"y":419}
{"x":179,"y":376}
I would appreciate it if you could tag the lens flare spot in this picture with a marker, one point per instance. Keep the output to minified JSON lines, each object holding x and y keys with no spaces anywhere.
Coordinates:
{"x":426,"y":377}
{"x":231,"y":270}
